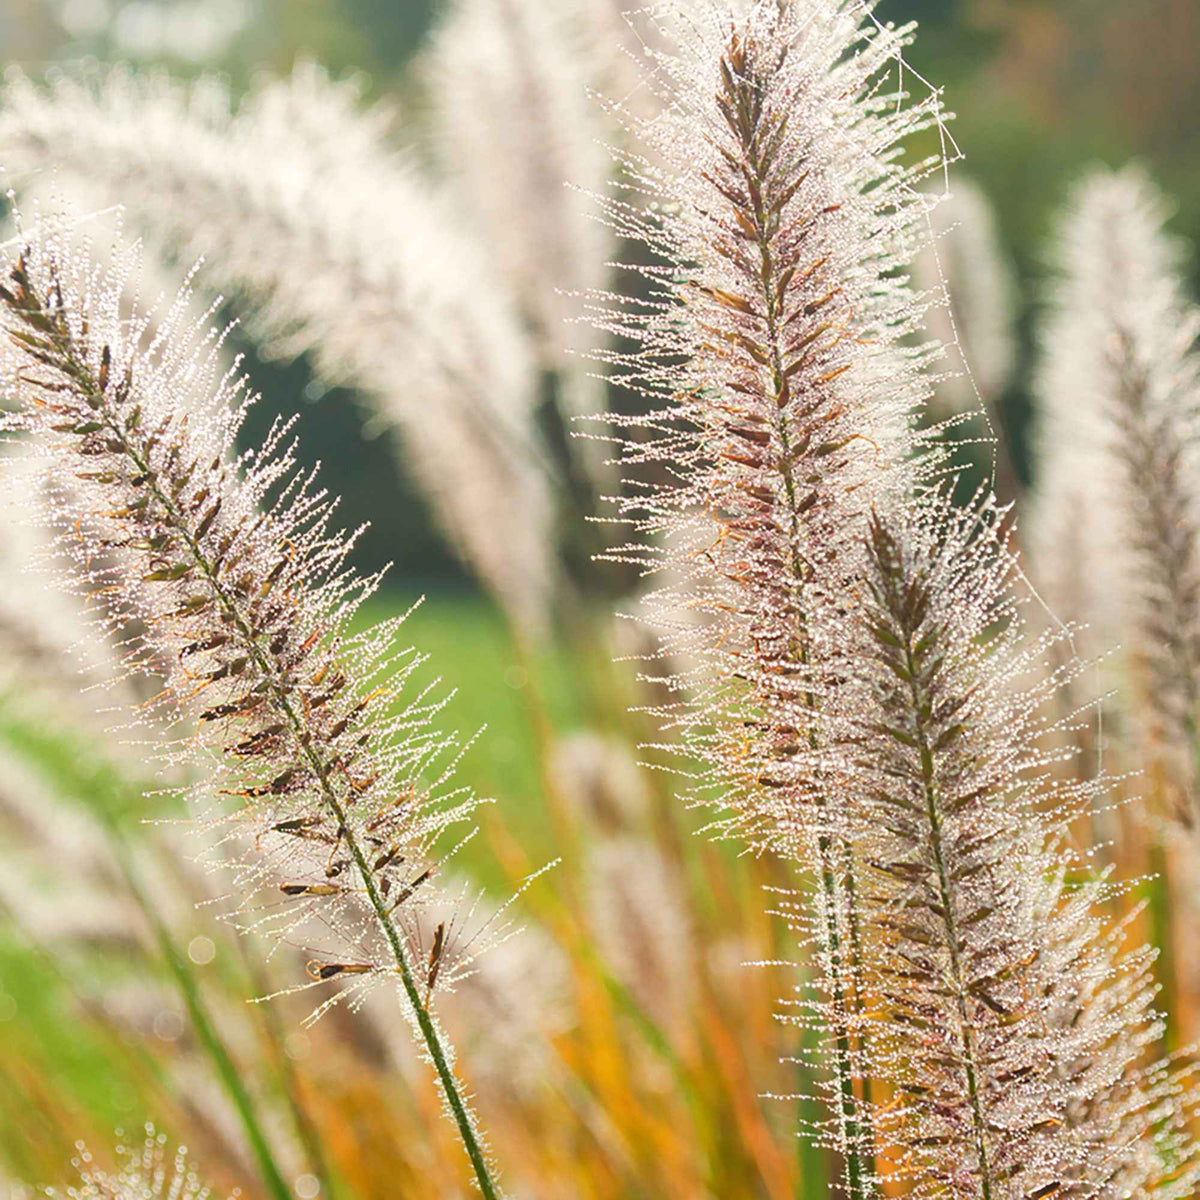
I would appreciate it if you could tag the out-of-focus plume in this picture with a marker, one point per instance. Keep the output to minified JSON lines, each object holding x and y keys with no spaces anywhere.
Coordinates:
{"x":306,"y":209}
{"x":638,"y":916}
{"x":516,"y":126}
{"x":43,"y":635}
{"x":966,"y":265}
{"x":599,"y":778}
{"x":240,"y":586}
{"x":81,"y":901}
{"x":1117,"y":515}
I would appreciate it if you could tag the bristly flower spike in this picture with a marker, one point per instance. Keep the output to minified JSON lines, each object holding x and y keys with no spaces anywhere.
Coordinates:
{"x":778,"y":213}
{"x":1008,"y":1018}
{"x":244,"y":595}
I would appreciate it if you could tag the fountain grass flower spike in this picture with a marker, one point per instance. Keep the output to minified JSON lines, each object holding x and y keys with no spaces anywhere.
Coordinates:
{"x":1011,"y":1020}
{"x":231,"y":569}
{"x":772,"y":197}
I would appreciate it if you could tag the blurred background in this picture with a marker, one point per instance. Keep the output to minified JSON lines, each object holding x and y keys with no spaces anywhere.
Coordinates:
{"x":638,"y":1021}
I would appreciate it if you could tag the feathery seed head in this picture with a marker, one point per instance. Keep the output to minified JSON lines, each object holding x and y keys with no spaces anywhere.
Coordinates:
{"x":771,"y":349}
{"x":242,"y":595}
{"x":1007,"y":1017}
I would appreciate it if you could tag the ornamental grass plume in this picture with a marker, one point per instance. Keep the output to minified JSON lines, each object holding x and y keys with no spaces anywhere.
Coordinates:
{"x":864,"y":700}
{"x":782,"y":390}
{"x":242,"y":591}
{"x":1009,"y":1019}
{"x":305,"y":208}
{"x":1117,"y":514}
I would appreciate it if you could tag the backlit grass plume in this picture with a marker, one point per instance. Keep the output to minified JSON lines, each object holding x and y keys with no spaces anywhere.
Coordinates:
{"x":304,"y":207}
{"x":771,"y":348}
{"x":1118,"y":504}
{"x":243,"y":595}
{"x":782,"y":395}
{"x":1009,"y":1020}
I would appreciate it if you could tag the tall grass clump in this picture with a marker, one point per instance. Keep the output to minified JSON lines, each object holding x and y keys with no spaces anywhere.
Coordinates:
{"x":238,"y":588}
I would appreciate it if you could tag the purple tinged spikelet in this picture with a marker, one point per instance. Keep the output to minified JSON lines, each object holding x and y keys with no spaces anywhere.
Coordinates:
{"x":771,"y":349}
